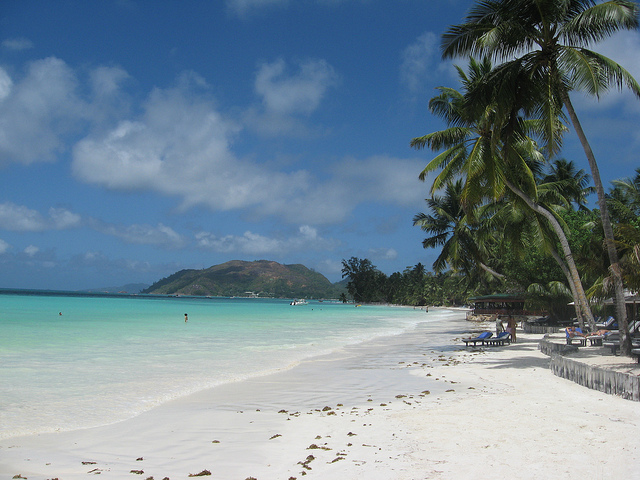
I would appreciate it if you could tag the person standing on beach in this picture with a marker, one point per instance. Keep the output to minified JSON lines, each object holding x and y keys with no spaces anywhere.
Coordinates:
{"x":185,"y":318}
{"x":511,"y":328}
{"x":499,"y":325}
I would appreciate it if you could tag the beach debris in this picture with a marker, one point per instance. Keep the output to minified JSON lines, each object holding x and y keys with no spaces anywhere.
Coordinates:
{"x":275,"y":436}
{"x":425,"y":392}
{"x":137,"y":472}
{"x":95,"y":471}
{"x":251,"y":478}
{"x":326,"y":409}
{"x":351,"y":434}
{"x":215,"y":441}
{"x":203,"y":473}
{"x":313,"y":446}
{"x":89,"y":463}
{"x":307,"y":461}
{"x":283,"y":411}
{"x":337,"y":459}
{"x":450,"y":390}
{"x":19,"y":476}
{"x":139,"y":459}
{"x":149,"y":478}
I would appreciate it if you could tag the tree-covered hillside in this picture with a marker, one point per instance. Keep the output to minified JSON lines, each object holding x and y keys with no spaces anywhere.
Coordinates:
{"x":238,"y":278}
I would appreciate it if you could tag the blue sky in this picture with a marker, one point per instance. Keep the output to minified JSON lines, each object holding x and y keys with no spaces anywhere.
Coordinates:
{"x":138,"y":138}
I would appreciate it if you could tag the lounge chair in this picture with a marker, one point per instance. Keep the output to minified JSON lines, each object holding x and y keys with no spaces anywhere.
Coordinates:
{"x":480,"y":338}
{"x":596,"y":340}
{"x":579,"y":338}
{"x":613,"y":342}
{"x":501,"y":339}
{"x":610,"y":324}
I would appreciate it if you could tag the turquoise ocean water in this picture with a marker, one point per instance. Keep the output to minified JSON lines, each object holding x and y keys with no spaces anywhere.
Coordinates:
{"x":107,"y":358}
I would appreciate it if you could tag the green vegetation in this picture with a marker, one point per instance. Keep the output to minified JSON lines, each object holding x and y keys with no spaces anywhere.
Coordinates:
{"x":238,"y":278}
{"x":507,"y":207}
{"x":415,"y":286}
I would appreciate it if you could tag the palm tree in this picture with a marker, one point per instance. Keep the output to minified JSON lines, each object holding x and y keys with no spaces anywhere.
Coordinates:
{"x":491,"y":161}
{"x":572,"y":183}
{"x":624,"y":201}
{"x":449,"y":228}
{"x":549,"y":39}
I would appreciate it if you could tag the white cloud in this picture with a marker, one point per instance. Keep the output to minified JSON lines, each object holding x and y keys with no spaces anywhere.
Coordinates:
{"x":37,"y":110}
{"x":31,"y":250}
{"x":4,"y":247}
{"x":381,"y":178}
{"x":287,"y":96}
{"x":419,"y":61}
{"x":181,"y":146}
{"x":160,"y":235}
{"x":17,"y":44}
{"x":250,"y":243}
{"x":20,"y":218}
{"x":23,"y":219}
{"x":383,"y":253}
{"x":107,"y":81}
{"x":62,"y":218}
{"x":5,"y":84}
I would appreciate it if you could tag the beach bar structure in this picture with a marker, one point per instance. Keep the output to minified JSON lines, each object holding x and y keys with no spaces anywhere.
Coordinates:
{"x":632,"y":301}
{"x":500,"y":304}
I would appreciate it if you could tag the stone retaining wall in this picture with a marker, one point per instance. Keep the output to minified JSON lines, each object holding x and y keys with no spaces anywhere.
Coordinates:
{"x":529,"y":328}
{"x":596,"y":378}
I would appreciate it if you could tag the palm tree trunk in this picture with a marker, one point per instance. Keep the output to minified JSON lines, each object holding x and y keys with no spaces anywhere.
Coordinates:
{"x":566,"y":250}
{"x":563,"y":266}
{"x":488,"y":269}
{"x":616,"y":272}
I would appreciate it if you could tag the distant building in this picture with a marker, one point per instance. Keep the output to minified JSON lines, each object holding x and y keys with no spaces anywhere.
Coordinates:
{"x":501,"y":304}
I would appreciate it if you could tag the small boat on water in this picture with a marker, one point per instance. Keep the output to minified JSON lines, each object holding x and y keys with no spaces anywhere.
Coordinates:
{"x":301,"y":301}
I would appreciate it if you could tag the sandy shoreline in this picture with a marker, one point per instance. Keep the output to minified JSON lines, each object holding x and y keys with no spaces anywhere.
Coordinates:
{"x":397,"y":408}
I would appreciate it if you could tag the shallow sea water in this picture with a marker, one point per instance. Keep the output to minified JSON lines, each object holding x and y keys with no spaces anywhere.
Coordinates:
{"x":106,"y":358}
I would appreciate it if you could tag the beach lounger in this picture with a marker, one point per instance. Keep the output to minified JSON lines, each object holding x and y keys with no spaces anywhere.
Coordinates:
{"x":613,"y":343}
{"x":610,"y":324}
{"x":480,"y":338}
{"x":500,"y":340}
{"x":596,"y":340}
{"x":579,"y":339}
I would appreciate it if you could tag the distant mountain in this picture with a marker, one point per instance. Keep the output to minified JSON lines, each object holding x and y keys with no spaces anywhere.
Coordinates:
{"x":129,"y":288}
{"x":239,"y":278}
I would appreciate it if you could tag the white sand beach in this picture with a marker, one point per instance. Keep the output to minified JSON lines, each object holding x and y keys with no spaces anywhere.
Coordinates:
{"x":396,"y":408}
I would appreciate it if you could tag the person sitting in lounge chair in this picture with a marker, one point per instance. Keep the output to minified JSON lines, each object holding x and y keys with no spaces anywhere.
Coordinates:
{"x":574,"y":332}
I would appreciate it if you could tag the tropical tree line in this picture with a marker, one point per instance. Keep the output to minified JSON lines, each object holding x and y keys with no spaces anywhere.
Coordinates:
{"x":501,"y":251}
{"x":414,"y":286}
{"x":506,"y":126}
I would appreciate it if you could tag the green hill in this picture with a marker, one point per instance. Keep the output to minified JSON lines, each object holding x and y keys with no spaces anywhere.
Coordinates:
{"x":240,"y":278}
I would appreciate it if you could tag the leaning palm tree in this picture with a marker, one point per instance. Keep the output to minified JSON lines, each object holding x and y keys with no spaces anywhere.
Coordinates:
{"x":548,"y":39}
{"x":493,"y":157}
{"x":449,"y":227}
